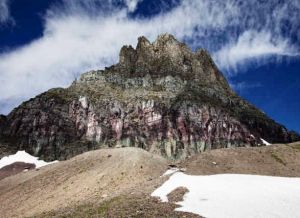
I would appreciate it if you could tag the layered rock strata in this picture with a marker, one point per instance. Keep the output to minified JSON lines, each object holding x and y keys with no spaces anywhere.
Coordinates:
{"x":161,"y":96}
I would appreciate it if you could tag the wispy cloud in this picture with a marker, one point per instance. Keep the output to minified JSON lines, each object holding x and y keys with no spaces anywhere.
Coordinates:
{"x":132,"y":4}
{"x":252,"y":46}
{"x":81,"y":35}
{"x":241,"y":87}
{"x":4,"y":11}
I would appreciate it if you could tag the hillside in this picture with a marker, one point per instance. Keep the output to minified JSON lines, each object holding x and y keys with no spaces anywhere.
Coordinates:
{"x":93,"y":175}
{"x":119,"y":182}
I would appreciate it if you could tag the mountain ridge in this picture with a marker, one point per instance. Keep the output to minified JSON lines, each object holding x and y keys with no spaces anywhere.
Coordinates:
{"x":161,"y":97}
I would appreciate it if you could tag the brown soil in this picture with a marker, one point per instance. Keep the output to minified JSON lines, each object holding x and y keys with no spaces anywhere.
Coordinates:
{"x":89,"y":177}
{"x":177,"y":194}
{"x":127,"y":205}
{"x":274,"y":160}
{"x":15,"y":168}
{"x":135,"y":201}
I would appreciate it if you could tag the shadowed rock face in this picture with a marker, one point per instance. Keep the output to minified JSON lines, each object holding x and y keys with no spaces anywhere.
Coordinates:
{"x":161,"y":96}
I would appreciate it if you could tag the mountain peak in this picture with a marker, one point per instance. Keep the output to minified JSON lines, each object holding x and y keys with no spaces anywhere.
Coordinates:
{"x":161,"y":39}
{"x":164,"y":45}
{"x":167,"y":56}
{"x":161,"y":97}
{"x":142,"y":42}
{"x":166,"y":37}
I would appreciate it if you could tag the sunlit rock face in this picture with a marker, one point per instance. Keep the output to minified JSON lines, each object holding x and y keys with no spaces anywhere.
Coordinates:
{"x":161,"y":97}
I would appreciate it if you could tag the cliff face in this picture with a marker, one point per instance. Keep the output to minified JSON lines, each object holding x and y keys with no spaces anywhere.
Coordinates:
{"x":161,"y":96}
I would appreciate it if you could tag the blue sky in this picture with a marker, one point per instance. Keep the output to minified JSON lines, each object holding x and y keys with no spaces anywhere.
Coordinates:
{"x":46,"y":44}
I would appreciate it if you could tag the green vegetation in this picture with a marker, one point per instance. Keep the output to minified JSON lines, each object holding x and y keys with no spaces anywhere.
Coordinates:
{"x":86,"y":210}
{"x":199,"y":96}
{"x":105,"y":206}
{"x":60,"y":95}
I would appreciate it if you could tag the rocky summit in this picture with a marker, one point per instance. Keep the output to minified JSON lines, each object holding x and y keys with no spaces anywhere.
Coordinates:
{"x":161,"y":96}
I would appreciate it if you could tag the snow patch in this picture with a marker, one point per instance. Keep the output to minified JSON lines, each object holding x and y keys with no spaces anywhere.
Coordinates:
{"x":265,"y":142}
{"x":22,"y":156}
{"x":235,"y":196}
{"x":170,"y":171}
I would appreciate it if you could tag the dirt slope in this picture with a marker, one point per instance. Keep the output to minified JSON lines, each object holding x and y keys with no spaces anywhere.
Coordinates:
{"x":93,"y":175}
{"x":274,"y":160}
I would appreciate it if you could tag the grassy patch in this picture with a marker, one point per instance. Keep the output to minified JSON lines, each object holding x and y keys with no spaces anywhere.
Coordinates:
{"x":277,"y":158}
{"x":86,"y":210}
{"x":104,"y":208}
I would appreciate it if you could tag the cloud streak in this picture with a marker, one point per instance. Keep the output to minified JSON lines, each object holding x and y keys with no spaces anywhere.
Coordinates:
{"x":252,"y":46}
{"x":132,"y":4}
{"x":244,"y":86}
{"x":83,"y":35}
{"x":4,"y":11}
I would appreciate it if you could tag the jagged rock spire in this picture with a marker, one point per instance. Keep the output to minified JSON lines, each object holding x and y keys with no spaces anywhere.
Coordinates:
{"x":167,"y":56}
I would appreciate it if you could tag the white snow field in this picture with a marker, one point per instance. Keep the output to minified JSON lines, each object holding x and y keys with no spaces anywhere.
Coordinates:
{"x":22,"y":156}
{"x":235,"y":195}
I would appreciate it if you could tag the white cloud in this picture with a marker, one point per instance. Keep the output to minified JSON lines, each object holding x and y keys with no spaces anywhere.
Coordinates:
{"x":252,"y":45}
{"x":244,"y":86}
{"x":132,"y":4}
{"x":4,"y":11}
{"x":83,"y":35}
